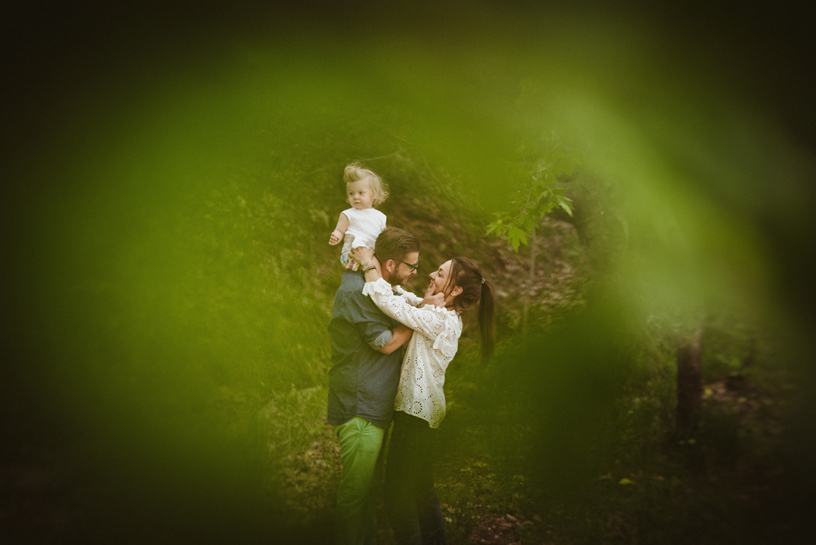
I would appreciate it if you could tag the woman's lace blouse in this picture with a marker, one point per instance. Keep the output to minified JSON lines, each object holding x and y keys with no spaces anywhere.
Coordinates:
{"x":430,"y":350}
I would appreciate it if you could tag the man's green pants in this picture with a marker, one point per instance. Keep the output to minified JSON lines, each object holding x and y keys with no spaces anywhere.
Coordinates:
{"x":360,"y":446}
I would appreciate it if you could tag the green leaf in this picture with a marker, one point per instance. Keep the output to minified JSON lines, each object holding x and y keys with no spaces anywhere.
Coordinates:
{"x":564,"y":202}
{"x":566,"y":208}
{"x":625,"y":481}
{"x":517,"y":237}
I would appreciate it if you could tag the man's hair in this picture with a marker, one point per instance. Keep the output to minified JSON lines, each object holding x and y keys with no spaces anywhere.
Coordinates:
{"x":394,"y":243}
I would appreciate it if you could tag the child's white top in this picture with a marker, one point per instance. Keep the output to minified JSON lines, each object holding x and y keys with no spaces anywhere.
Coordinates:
{"x":364,"y":228}
{"x":430,"y":350}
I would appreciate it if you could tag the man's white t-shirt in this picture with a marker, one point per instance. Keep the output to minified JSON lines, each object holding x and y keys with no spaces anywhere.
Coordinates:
{"x":364,"y":228}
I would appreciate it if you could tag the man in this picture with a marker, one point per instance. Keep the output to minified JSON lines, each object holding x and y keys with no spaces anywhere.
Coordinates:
{"x":363,"y":382}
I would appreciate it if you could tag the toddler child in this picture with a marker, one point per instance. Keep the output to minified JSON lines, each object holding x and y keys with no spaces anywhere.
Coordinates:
{"x":362,"y":223}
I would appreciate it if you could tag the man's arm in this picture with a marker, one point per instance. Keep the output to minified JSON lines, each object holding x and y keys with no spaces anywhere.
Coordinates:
{"x":373,"y":326}
{"x":401,"y":334}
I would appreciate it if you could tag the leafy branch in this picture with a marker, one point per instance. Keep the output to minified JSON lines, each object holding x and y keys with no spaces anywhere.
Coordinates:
{"x":544,"y":164}
{"x":537,"y":197}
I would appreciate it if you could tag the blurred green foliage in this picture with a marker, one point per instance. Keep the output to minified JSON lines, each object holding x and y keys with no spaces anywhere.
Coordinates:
{"x":177,"y":281}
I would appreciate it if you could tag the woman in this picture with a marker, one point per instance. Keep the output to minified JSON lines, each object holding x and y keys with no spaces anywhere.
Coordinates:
{"x":419,"y":407}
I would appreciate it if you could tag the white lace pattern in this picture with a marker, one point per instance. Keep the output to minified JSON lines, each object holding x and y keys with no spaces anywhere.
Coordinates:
{"x":412,"y":299}
{"x":431,"y":348}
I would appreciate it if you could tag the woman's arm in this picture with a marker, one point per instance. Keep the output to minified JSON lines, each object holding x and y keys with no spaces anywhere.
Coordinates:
{"x":339,"y":231}
{"x":412,"y":298}
{"x":429,"y":322}
{"x":372,"y":272}
{"x":435,"y":324}
{"x":430,"y":298}
{"x":401,"y":335}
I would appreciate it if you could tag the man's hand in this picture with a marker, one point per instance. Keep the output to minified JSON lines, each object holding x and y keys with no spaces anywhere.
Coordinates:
{"x":335,"y":237}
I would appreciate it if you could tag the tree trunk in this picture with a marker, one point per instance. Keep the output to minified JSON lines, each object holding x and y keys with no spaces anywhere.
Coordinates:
{"x":531,"y":282}
{"x":689,"y":385}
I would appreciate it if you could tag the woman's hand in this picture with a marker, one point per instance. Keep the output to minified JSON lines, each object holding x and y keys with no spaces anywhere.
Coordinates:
{"x":437,"y":300}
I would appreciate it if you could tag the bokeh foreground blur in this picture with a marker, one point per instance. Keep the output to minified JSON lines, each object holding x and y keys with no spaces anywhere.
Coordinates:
{"x":170,"y":279}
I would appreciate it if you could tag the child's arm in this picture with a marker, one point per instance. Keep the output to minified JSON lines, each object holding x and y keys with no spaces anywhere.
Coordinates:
{"x":339,"y":231}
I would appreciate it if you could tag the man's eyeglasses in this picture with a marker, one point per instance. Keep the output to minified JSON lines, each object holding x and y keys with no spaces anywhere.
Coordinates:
{"x":412,"y":267}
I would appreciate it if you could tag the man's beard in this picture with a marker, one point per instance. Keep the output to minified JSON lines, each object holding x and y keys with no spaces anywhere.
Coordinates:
{"x":402,"y":278}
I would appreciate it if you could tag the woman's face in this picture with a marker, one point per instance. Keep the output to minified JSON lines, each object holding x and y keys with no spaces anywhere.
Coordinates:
{"x":439,"y":278}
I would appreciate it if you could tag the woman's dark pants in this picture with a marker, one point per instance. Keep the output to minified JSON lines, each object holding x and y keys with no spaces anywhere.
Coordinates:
{"x":410,"y":499}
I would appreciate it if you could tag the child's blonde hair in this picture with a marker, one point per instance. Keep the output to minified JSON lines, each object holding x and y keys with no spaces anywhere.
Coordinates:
{"x":355,"y":172}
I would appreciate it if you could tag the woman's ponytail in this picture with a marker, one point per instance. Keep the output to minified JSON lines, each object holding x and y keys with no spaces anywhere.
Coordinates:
{"x":486,"y":321}
{"x":465,"y":273}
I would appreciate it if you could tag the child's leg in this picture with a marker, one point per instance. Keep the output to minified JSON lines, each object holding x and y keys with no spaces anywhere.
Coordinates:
{"x":348,"y":262}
